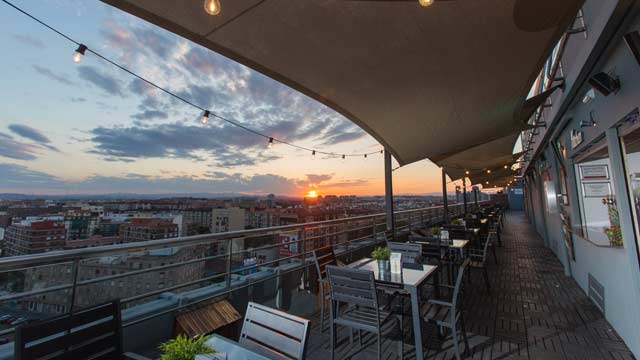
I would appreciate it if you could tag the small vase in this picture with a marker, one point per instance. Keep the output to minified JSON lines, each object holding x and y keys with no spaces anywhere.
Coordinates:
{"x":383,"y":266}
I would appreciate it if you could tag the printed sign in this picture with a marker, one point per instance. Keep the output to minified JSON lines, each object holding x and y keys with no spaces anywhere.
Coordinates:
{"x":594,"y":172}
{"x":576,"y":138}
{"x":596,"y":189}
{"x":289,"y":243}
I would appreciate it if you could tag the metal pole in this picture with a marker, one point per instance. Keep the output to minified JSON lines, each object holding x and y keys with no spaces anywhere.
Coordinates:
{"x":445,"y":200}
{"x":388,"y":193}
{"x":475,"y":196}
{"x":464,"y":193}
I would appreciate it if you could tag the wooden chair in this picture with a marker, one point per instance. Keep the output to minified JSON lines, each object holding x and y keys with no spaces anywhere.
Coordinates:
{"x":355,"y":291}
{"x":322,"y":257}
{"x":274,"y":333}
{"x":87,"y":334}
{"x":448,"y":313}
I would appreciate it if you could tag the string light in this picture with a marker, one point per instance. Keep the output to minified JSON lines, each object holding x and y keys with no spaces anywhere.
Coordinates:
{"x":212,"y":7}
{"x":313,"y":155}
{"x":77,"y":56}
{"x":506,"y":166}
{"x":425,"y":3}
{"x":205,"y":117}
{"x":270,"y":143}
{"x":343,"y":157}
{"x":488,"y":171}
{"x":467,"y":172}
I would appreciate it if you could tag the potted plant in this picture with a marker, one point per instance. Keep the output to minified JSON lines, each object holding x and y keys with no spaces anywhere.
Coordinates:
{"x":457,"y":222}
{"x":382,"y":255}
{"x":185,"y":348}
{"x":435,"y":232}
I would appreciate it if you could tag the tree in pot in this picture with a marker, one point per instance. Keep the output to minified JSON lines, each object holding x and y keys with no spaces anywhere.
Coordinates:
{"x":185,"y":348}
{"x":382,"y":255}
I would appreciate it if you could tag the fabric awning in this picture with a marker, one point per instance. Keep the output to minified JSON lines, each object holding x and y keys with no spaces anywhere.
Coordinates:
{"x":532,"y":104}
{"x":490,"y":155}
{"x":425,"y":82}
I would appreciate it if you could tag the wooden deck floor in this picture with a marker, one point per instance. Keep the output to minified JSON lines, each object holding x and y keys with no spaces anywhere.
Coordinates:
{"x":533,"y":312}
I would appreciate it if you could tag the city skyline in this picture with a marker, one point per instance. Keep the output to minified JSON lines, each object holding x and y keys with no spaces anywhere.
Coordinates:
{"x":89,"y":128}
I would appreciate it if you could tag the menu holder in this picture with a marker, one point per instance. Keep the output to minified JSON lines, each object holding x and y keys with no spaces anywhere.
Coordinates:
{"x":396,"y":263}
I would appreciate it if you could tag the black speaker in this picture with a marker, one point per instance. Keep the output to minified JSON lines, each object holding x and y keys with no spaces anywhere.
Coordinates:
{"x":604,"y":83}
{"x":633,"y":41}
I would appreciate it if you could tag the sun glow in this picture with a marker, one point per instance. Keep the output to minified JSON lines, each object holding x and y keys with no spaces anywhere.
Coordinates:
{"x":312,"y":194}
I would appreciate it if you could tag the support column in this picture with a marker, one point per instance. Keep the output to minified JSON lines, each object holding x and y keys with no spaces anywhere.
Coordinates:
{"x":388,"y":193}
{"x":475,"y":195}
{"x":445,"y":200}
{"x":464,"y":193}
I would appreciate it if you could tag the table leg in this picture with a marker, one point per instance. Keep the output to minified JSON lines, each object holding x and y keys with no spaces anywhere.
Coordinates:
{"x":417,"y":322}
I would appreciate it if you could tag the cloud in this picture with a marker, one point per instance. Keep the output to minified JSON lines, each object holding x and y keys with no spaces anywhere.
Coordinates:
{"x":100,"y":80}
{"x":150,"y":115}
{"x":29,"y":133}
{"x":51,"y":75}
{"x":29,"y":40}
{"x":18,"y":178}
{"x":316,"y":179}
{"x":14,"y":149}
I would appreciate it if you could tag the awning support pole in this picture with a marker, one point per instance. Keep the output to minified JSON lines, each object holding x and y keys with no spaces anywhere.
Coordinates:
{"x":445,"y":200}
{"x":388,"y":193}
{"x":464,"y":194}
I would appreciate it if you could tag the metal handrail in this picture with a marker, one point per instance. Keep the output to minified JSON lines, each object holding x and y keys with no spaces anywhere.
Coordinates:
{"x":73,"y":257}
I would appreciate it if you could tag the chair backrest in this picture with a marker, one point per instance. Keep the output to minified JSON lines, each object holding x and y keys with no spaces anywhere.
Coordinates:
{"x":456,"y":231}
{"x":274,"y":333}
{"x":411,"y":253}
{"x":457,"y":290}
{"x":322,"y":257}
{"x":489,"y":239}
{"x":81,"y":335}
{"x":352,"y":286}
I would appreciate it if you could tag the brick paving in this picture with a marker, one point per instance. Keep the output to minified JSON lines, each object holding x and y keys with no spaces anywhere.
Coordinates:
{"x":532,"y":312}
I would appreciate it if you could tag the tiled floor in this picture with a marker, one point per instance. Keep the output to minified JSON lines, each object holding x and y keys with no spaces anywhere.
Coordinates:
{"x":533,"y":312}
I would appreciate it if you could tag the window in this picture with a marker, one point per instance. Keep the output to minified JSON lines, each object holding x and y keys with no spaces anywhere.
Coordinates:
{"x":596,"y":194}
{"x":631,"y":145}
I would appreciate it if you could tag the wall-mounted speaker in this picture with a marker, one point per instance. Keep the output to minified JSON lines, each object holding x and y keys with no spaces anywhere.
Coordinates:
{"x":633,"y":42}
{"x":604,"y":83}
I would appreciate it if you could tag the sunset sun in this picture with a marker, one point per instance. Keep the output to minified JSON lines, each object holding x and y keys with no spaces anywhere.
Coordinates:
{"x":312,"y":194}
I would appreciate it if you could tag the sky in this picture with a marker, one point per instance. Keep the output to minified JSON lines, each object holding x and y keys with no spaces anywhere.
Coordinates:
{"x":89,"y":128}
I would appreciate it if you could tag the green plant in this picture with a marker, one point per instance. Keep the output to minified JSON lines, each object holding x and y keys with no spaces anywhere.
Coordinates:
{"x":457,"y":222}
{"x":185,"y":348}
{"x":381,"y":253}
{"x":435,"y":231}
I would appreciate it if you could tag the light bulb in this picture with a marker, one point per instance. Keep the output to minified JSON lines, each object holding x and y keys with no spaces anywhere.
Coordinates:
{"x":270,"y":143}
{"x":488,"y":171}
{"x":381,"y":151}
{"x":77,"y":56}
{"x":343,"y":157}
{"x":506,"y":166}
{"x":426,"y":3}
{"x":205,"y":117}
{"x":365,"y":156}
{"x":212,"y":7}
{"x":467,"y":172}
{"x":313,"y":155}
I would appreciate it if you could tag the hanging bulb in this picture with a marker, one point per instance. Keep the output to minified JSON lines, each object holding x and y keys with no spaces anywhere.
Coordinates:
{"x":488,"y":171}
{"x":506,"y":166}
{"x":381,"y":151}
{"x":77,"y":56}
{"x":426,"y":3}
{"x":365,"y":156}
{"x":212,"y":7}
{"x":467,"y":172}
{"x":313,"y":155}
{"x":343,"y":157}
{"x":270,"y":143}
{"x":205,"y":117}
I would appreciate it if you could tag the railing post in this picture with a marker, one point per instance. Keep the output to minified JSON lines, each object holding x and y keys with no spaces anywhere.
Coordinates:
{"x":229,"y":258}
{"x":464,"y":193}
{"x":74,"y":284}
{"x":303,"y":248}
{"x":388,"y":193}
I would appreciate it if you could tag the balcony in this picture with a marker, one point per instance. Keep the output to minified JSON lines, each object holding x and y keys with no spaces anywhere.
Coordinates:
{"x":532,"y":310}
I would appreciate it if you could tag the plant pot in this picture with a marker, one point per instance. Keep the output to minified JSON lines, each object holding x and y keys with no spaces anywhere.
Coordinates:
{"x":383,"y":266}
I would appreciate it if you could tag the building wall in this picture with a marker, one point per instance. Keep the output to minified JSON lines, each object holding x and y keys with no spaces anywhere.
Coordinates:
{"x":616,"y":268}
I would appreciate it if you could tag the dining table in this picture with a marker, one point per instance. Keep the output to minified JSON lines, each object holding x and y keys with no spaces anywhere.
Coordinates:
{"x":411,"y":279}
{"x":230,"y":350}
